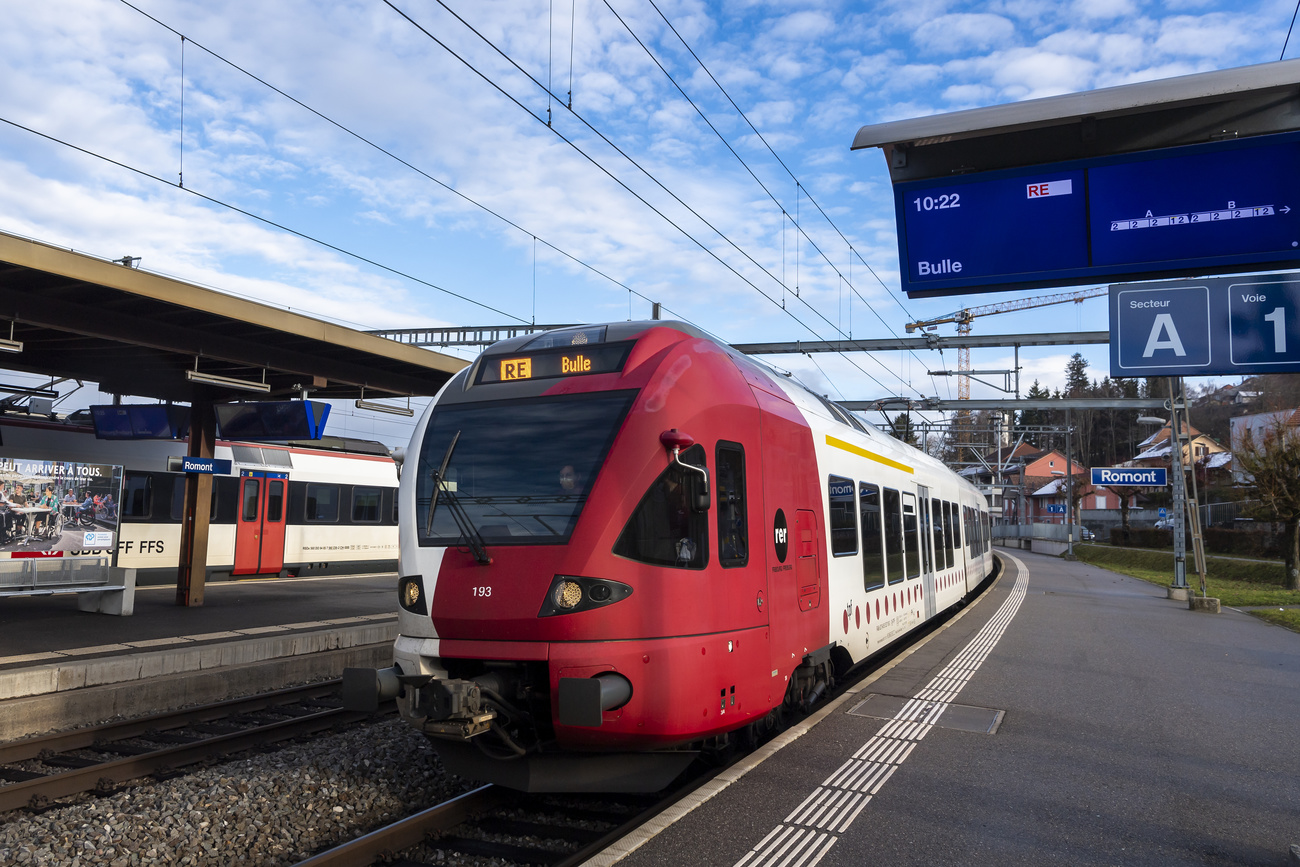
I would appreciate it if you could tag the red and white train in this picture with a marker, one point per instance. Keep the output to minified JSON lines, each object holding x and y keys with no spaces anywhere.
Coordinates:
{"x":286,"y":509}
{"x":642,"y":544}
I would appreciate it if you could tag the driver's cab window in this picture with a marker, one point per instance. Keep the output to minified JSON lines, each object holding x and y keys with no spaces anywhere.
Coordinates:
{"x":670,"y":525}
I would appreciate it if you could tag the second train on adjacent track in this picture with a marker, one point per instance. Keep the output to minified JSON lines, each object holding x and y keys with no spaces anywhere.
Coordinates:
{"x":623,"y":544}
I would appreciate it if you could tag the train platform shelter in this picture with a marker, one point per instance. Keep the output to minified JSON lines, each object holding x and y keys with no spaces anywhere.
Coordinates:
{"x":1072,"y":716}
{"x":62,"y":667}
{"x":137,"y":333}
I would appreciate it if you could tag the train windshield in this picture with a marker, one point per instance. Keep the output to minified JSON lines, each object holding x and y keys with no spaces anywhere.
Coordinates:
{"x":521,"y":470}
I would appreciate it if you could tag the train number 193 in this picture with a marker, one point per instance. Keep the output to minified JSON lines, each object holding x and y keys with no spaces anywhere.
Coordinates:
{"x":482,"y":591}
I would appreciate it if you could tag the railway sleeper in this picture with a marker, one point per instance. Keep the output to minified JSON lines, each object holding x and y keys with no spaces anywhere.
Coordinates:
{"x":69,"y":761}
{"x":120,"y":749}
{"x":505,"y":851}
{"x":525,"y":828}
{"x":15,"y":775}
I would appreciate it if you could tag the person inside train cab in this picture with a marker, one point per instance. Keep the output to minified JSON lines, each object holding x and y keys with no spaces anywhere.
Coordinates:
{"x":665,"y":529}
{"x":568,"y":479}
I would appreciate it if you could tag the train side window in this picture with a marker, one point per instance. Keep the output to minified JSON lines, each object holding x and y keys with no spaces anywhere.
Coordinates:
{"x":873,"y":551}
{"x":966,"y":528}
{"x":274,"y":500}
{"x":733,"y":513}
{"x":252,"y":489}
{"x":937,"y":510}
{"x":895,"y":547}
{"x":178,"y":498}
{"x":950,"y":528}
{"x":393,"y":494}
{"x":666,"y":529}
{"x":365,"y":505}
{"x":322,"y":503}
{"x":137,"y":496}
{"x":911,"y":535}
{"x":843,"y":520}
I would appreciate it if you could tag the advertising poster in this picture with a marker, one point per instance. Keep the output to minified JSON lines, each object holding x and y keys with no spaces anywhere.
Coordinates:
{"x":58,"y":508}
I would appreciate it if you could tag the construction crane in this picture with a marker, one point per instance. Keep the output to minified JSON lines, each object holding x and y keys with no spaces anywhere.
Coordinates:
{"x":964,"y":316}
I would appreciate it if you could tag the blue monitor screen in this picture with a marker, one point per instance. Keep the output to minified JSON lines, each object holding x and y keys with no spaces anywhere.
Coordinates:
{"x":1198,"y":209}
{"x":140,"y":421}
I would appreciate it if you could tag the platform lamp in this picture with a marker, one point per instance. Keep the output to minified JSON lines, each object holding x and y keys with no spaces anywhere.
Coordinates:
{"x":1180,"y":500}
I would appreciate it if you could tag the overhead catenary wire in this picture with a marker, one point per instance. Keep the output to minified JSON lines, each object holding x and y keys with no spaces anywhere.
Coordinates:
{"x":649,"y":175}
{"x":469,"y":199}
{"x":632,"y":292}
{"x":381,"y":149}
{"x":800,"y":189}
{"x":261,"y":219}
{"x":774,"y":154}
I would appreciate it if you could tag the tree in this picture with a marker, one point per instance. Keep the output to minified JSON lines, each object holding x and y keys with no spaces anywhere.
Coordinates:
{"x":1125,"y":493}
{"x":1273,"y":463}
{"x":901,"y":429}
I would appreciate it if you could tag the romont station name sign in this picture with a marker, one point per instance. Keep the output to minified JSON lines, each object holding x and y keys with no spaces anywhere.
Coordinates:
{"x":1143,"y":477}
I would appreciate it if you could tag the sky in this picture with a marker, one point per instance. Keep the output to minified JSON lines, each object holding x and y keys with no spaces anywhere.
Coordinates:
{"x":417,"y":163}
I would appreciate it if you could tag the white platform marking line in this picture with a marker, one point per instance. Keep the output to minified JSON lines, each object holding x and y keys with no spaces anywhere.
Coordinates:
{"x":895,"y":742}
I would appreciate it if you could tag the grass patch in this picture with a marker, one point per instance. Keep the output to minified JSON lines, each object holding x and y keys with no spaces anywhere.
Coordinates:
{"x":1290,"y":617}
{"x":1235,"y":583}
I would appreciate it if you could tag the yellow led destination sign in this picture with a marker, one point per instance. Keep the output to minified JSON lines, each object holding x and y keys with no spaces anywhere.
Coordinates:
{"x":516,"y":368}
{"x":552,"y":363}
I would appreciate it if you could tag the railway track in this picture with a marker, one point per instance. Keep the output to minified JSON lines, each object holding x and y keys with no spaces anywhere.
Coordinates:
{"x":36,"y":771}
{"x":509,"y":827}
{"x":485,"y":821}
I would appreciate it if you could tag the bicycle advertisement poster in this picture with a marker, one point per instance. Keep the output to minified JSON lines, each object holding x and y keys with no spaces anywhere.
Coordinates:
{"x":58,"y":508}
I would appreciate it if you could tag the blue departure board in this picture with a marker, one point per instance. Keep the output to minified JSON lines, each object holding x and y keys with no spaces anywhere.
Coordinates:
{"x":1197,"y":209}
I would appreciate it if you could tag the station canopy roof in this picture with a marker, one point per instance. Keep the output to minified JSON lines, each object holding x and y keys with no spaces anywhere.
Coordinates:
{"x":137,"y":333}
{"x":1188,"y":109}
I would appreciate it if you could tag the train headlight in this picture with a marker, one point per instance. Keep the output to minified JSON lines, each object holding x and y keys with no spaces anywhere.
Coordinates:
{"x":410,"y":594}
{"x":569,"y":594}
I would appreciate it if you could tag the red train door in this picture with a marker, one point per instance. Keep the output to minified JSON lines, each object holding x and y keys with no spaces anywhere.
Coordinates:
{"x":806,"y":572}
{"x":259,"y":529}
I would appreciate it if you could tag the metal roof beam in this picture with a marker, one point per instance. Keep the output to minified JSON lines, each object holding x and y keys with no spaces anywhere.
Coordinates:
{"x":1009,"y":404}
{"x":931,"y":341}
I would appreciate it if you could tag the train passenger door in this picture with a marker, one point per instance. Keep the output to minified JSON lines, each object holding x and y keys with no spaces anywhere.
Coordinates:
{"x":927,"y":556}
{"x":259,"y":530}
{"x":807,"y":573}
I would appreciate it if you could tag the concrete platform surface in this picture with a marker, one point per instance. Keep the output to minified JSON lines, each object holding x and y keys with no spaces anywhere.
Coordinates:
{"x":35,"y":625}
{"x":61,"y":667}
{"x":1073,"y":716}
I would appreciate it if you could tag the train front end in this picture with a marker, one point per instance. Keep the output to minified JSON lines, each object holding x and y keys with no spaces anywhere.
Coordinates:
{"x":579,"y":607}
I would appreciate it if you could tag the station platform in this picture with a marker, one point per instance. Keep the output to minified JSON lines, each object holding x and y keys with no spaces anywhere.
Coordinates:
{"x":61,"y":667}
{"x":1072,"y":716}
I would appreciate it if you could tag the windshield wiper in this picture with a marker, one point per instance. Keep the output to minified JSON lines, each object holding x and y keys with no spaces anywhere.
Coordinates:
{"x":466,"y":526}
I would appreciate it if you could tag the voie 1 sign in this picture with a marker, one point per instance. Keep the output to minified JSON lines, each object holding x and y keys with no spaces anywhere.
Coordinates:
{"x":1214,"y":326}
{"x":1144,"y":477}
{"x":1207,"y":208}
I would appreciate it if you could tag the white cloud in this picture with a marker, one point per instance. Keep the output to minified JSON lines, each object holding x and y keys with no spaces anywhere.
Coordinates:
{"x":950,"y":34}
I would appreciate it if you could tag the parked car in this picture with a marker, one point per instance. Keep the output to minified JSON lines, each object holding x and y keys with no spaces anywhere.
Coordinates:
{"x":1165,"y":524}
{"x":1085,"y":534}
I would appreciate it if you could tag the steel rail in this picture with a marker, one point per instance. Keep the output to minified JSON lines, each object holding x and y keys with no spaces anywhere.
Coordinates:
{"x":412,"y":830}
{"x":39,"y":791}
{"x":104,"y":734}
